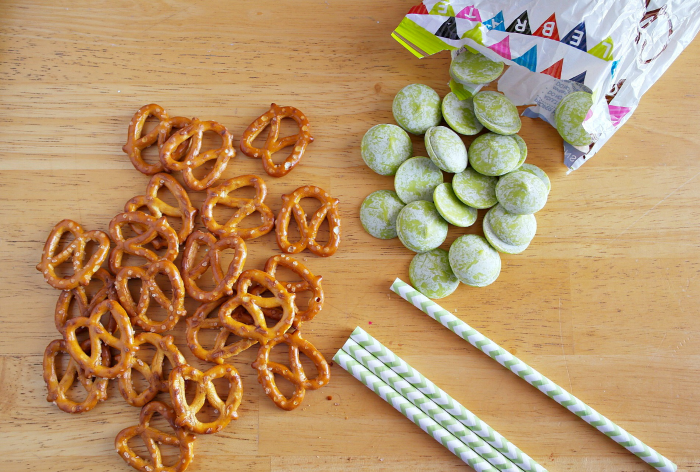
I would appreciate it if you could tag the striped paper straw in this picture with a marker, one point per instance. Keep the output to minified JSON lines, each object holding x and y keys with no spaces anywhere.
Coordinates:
{"x":446,"y":402}
{"x":534,"y":378}
{"x":427,"y":424}
{"x":442,"y":418}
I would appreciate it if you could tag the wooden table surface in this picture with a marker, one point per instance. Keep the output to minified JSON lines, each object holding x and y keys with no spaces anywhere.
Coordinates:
{"x":605,"y":301}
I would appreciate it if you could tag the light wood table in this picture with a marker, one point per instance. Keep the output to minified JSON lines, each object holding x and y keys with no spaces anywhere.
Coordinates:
{"x":605,"y":301}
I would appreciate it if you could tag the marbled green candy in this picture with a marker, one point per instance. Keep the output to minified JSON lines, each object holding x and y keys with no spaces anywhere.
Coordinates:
{"x":509,"y":233}
{"x":431,"y":274}
{"x":446,"y":149}
{"x":459,"y":115}
{"x":451,"y":208}
{"x":416,"y":179}
{"x":420,"y":227}
{"x":497,"y":113}
{"x":474,"y":189}
{"x":416,"y":108}
{"x":523,"y":148}
{"x":378,"y":213}
{"x":474,"y":261}
{"x":569,"y":116}
{"x":475,"y":68}
{"x":493,"y":154}
{"x":521,"y":193}
{"x":385,"y":148}
{"x":534,"y":170}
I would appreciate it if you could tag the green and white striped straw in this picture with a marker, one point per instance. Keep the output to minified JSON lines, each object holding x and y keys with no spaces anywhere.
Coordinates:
{"x":406,"y":408}
{"x":446,"y":402}
{"x":406,"y":390}
{"x":534,"y":378}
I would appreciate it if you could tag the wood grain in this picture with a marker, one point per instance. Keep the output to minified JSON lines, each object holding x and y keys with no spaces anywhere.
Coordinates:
{"x":604,"y":302}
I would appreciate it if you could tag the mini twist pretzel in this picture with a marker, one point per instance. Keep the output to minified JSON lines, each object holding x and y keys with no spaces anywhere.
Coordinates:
{"x":137,"y":142}
{"x":152,"y":437}
{"x":153,"y":373}
{"x":308,"y":230}
{"x":58,"y":389}
{"x":185,"y":211}
{"x":175,"y":306}
{"x":82,"y":271}
{"x":154,"y":227}
{"x":221,"y":351}
{"x":245,"y":206}
{"x":206,"y":391}
{"x":253,"y":304}
{"x":296,"y":375}
{"x":194,"y":159}
{"x":94,"y":364}
{"x":85,"y":305}
{"x":191,"y":272}
{"x":274,"y":117}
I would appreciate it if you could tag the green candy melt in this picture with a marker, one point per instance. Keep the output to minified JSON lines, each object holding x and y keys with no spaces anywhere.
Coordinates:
{"x":474,"y":261}
{"x":385,"y":147}
{"x":521,"y":193}
{"x":416,"y":179}
{"x":446,"y":149}
{"x":509,"y":233}
{"x":475,"y":190}
{"x":475,"y":68}
{"x":451,"y":208}
{"x":459,"y":115}
{"x":416,"y":108}
{"x":536,"y":171}
{"x":431,"y":274}
{"x":497,"y":113}
{"x":493,"y":154}
{"x":378,"y":213}
{"x":420,"y":227}
{"x":569,"y":116}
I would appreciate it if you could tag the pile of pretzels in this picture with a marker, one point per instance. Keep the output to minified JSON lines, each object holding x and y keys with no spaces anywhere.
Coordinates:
{"x":103,"y":340}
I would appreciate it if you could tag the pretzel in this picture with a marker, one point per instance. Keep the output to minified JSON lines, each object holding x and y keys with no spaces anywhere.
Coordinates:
{"x":152,"y":437}
{"x":153,"y":373}
{"x":155,"y":227}
{"x":206,"y":391}
{"x":274,"y":117}
{"x":245,"y":206}
{"x":157,"y":207}
{"x":191,"y":272}
{"x":82,"y":272}
{"x":94,"y":364}
{"x":193,"y":159}
{"x":296,"y":375}
{"x":137,"y":142}
{"x":58,"y":389}
{"x":253,"y":304}
{"x":309,"y":230}
{"x":221,"y":351}
{"x":175,"y":306}
{"x":85,"y":305}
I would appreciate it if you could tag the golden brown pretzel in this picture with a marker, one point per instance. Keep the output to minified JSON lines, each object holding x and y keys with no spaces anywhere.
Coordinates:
{"x":221,"y":351}
{"x":157,"y":207}
{"x":191,"y":272}
{"x":154,"y":227}
{"x":246,"y":206}
{"x":194,"y":159}
{"x":308,"y":229}
{"x":99,"y":335}
{"x":136,"y":142}
{"x":253,"y":304}
{"x":84,"y":305}
{"x":206,"y":391}
{"x":153,"y":373}
{"x":273,"y":117}
{"x":82,"y":272}
{"x":152,"y":437}
{"x":58,"y":389}
{"x":174,"y":306}
{"x":296,"y":375}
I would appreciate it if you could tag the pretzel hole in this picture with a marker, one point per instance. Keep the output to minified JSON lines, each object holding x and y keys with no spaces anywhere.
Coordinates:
{"x":323,"y":235}
{"x":308,"y":365}
{"x":64,"y":241}
{"x":150,"y":154}
{"x":138,"y":382}
{"x":285,"y":387}
{"x":209,"y":413}
{"x":146,"y":352}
